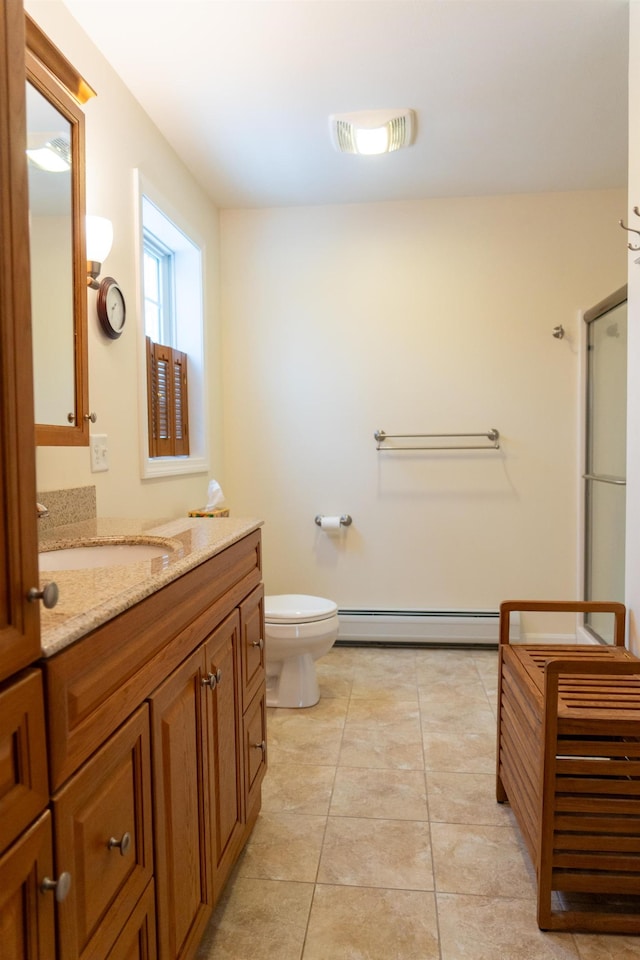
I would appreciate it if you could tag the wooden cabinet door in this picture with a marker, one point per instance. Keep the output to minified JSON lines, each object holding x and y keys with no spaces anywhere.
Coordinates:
{"x":24,"y":790}
{"x":181,"y":793}
{"x":19,"y":619}
{"x":26,"y":913}
{"x":252,"y":644}
{"x":104,"y":839}
{"x":138,"y":938}
{"x":224,"y":712}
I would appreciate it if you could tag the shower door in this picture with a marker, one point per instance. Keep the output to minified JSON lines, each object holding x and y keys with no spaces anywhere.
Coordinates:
{"x":605,"y":466}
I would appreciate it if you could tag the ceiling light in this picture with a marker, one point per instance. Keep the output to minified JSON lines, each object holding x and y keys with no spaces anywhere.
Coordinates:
{"x":371,"y":132}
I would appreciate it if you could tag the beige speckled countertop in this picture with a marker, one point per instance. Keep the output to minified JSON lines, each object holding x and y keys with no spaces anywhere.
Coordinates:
{"x":90,"y":597}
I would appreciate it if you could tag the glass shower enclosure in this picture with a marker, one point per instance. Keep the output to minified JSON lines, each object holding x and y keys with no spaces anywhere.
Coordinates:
{"x":605,"y":458}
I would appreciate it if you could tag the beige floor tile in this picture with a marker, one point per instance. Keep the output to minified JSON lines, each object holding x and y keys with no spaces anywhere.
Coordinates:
{"x":353,"y":923}
{"x":397,"y":748}
{"x":469,"y":750}
{"x":592,"y":947}
{"x":283,"y":846}
{"x":444,"y":694}
{"x":310,"y":735}
{"x":466,"y":798}
{"x":481,"y":860}
{"x":382,"y":734}
{"x":438,"y":666}
{"x":479,"y":928}
{"x":383,"y":794}
{"x":377,"y":853}
{"x":298,"y":788}
{"x":383,"y":689}
{"x":258,"y":920}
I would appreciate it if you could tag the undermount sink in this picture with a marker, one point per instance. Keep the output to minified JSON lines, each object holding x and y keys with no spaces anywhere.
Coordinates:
{"x":92,"y":555}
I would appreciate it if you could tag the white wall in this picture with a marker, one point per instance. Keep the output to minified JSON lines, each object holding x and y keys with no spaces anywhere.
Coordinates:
{"x":119,"y":138}
{"x":633,"y":387}
{"x":430,"y":317}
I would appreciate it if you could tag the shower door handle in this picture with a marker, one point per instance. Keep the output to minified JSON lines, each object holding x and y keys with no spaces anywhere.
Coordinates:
{"x":615,"y":480}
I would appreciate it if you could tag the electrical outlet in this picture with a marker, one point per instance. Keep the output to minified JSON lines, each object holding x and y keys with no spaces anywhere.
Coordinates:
{"x":99,"y":452}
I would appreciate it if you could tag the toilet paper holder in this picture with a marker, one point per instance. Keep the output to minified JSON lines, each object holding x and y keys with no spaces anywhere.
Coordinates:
{"x":345,"y":520}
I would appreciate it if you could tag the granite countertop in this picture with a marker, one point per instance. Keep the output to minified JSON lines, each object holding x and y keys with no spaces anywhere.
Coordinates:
{"x":90,"y":597}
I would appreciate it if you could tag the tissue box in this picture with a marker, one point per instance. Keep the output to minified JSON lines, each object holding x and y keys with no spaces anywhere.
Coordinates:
{"x":215,"y":512}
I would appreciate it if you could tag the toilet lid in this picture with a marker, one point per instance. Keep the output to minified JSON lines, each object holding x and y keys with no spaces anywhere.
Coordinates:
{"x":296,"y":607}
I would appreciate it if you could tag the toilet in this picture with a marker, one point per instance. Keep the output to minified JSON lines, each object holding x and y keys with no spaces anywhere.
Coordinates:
{"x":298,"y":629}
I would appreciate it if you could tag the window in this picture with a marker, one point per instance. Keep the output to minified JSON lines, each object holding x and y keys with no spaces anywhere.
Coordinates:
{"x":168,"y":397}
{"x":173,"y":402}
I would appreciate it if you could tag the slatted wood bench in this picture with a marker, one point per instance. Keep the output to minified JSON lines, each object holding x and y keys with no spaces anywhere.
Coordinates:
{"x":568,"y":762}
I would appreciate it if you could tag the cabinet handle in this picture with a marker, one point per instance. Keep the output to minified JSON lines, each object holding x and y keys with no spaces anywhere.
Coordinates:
{"x":258,"y":643}
{"x":49,"y":594}
{"x":124,"y":844}
{"x":61,"y":886}
{"x":212,"y":679}
{"x":260,"y":746}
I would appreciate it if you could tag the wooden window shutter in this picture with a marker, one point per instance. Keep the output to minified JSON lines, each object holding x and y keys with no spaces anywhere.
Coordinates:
{"x":167,"y":401}
{"x":180,"y":404}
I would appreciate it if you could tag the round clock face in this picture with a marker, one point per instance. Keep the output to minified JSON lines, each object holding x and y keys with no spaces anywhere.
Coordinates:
{"x":111,"y":308}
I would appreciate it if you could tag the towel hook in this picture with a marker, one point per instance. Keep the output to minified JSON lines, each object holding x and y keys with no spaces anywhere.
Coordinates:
{"x":621,"y":223}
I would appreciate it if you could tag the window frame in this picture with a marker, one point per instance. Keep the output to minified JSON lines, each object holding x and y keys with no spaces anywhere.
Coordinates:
{"x":190,"y":338}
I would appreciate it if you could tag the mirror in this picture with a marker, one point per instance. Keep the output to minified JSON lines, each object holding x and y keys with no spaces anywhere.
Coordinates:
{"x":55,"y":162}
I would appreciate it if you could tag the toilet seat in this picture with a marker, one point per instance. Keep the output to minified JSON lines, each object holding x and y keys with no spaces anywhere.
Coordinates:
{"x":298,"y":608}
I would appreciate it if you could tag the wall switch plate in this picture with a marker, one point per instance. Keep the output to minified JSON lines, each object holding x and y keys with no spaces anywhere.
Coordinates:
{"x":98,"y":445}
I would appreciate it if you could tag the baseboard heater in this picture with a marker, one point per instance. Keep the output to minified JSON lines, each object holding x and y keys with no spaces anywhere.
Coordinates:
{"x":422,"y":628}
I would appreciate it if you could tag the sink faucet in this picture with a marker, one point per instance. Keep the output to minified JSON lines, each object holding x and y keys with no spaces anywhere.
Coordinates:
{"x":41,"y":510}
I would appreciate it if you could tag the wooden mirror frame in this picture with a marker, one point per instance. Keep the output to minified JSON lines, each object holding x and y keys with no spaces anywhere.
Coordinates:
{"x":58,"y":81}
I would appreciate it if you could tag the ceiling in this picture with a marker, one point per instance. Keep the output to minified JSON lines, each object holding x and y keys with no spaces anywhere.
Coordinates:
{"x":511,"y":96}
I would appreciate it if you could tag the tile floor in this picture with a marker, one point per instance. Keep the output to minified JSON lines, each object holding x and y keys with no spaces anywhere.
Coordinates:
{"x":379,"y":836}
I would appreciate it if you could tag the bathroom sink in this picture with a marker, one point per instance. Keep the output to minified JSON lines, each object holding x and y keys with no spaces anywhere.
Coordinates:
{"x":91,"y":555}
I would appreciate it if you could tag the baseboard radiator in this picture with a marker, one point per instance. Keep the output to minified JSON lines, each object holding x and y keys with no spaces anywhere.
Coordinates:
{"x":422,"y":628}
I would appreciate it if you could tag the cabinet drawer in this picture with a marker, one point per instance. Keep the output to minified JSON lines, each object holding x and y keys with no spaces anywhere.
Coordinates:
{"x":252,"y":645}
{"x":26,"y":914}
{"x":103,"y":830}
{"x":255,"y":750}
{"x":24,"y":786}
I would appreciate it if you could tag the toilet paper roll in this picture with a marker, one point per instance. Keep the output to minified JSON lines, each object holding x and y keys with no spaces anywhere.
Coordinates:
{"x":330,"y":523}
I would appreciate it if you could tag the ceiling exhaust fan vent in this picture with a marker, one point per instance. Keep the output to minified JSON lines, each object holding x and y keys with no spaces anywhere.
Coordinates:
{"x":372,"y":131}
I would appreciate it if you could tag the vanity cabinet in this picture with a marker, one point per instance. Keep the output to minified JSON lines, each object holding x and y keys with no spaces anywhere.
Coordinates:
{"x":161,"y":707}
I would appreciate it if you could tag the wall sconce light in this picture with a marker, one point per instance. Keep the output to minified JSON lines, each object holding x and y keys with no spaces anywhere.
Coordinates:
{"x":99,"y":242}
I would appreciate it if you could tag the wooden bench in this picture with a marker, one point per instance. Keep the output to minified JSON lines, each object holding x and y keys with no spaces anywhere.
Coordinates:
{"x":568,"y":762}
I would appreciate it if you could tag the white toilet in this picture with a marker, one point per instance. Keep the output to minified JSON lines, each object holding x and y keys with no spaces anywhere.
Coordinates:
{"x":298,"y":629}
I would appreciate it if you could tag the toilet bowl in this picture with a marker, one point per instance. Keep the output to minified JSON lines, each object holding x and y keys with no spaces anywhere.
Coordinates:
{"x":298,"y":629}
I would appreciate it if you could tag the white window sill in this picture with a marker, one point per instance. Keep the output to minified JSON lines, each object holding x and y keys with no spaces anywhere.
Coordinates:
{"x":173,"y":466}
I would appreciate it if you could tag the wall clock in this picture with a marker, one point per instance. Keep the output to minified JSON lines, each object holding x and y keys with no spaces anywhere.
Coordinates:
{"x":112,"y":310}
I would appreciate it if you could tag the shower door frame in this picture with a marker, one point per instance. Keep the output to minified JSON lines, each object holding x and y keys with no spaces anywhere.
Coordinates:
{"x":594,"y":313}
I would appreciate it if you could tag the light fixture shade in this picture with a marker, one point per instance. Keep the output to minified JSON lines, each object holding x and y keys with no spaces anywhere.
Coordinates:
{"x":371,"y":132}
{"x":99,"y":238}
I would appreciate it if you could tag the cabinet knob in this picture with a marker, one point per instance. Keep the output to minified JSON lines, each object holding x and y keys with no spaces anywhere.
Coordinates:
{"x":71,"y":417}
{"x":90,"y":416}
{"x":258,"y":643}
{"x":212,"y":679}
{"x":61,"y":886}
{"x":123,"y":844}
{"x":260,"y":746}
{"x":49,"y":594}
